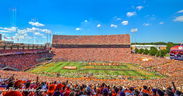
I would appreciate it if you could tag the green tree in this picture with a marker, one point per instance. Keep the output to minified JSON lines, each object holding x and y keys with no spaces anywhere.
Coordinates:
{"x":141,"y":51}
{"x":153,"y":51}
{"x":158,"y":54}
{"x":163,"y":53}
{"x":146,"y":52}
{"x":168,"y":46}
{"x":136,"y":50}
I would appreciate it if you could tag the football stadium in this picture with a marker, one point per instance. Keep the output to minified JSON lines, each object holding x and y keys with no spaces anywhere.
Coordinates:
{"x":104,"y":56}
{"x":88,"y":60}
{"x":91,"y":48}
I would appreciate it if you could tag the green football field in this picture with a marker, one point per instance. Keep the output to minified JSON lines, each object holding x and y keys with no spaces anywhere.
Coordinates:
{"x":130,"y":71}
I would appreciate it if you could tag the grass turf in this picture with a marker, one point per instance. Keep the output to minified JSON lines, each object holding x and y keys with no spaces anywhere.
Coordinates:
{"x":98,"y":71}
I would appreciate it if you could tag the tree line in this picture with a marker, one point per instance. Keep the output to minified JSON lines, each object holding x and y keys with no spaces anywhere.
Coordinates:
{"x":155,"y":43}
{"x":154,"y":51}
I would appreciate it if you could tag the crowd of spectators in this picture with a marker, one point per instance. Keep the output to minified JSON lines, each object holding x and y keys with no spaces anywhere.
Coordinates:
{"x":107,"y":55}
{"x":93,"y":54}
{"x":20,"y":50}
{"x":152,"y":60}
{"x":173,"y":68}
{"x":23,"y":61}
{"x":94,"y":40}
{"x":31,"y":85}
{"x":170,"y":68}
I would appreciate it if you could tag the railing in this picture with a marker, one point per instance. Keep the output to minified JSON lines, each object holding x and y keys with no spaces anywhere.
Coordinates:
{"x":21,"y":52}
{"x":12,"y":47}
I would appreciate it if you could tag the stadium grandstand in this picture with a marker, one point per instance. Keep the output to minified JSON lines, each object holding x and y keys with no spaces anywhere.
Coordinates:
{"x":91,"y":48}
{"x":176,"y":52}
{"x":19,"y":56}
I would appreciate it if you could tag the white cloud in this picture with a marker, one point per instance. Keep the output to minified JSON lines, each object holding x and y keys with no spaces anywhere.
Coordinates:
{"x":34,"y":29}
{"x":134,"y":30}
{"x":99,"y":25}
{"x":161,"y":22}
{"x":78,"y":29}
{"x":114,"y":26}
{"x":86,"y":21}
{"x":23,"y":33}
{"x":179,"y":19}
{"x":180,"y":11}
{"x":139,"y":7}
{"x":17,"y":36}
{"x":146,"y":24}
{"x":11,"y":29}
{"x":3,"y":31}
{"x":118,"y":19}
{"x":129,"y":14}
{"x":8,"y":29}
{"x":124,"y":22}
{"x":26,"y":32}
{"x":38,"y":34}
{"x":22,"y":36}
{"x":36,"y":24}
{"x":46,"y":31}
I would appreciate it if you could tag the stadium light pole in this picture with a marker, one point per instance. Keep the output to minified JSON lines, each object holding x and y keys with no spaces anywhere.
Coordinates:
{"x":13,"y":20}
{"x":135,"y":46}
{"x":50,"y":38}
{"x":47,"y":38}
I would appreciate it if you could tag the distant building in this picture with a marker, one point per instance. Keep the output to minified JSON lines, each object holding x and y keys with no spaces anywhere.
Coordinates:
{"x":159,"y":47}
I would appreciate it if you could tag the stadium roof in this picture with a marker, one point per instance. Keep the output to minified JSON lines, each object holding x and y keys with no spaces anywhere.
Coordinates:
{"x":92,"y":39}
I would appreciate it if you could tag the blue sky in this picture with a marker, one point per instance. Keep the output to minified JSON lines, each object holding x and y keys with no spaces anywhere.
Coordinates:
{"x":33,"y":21}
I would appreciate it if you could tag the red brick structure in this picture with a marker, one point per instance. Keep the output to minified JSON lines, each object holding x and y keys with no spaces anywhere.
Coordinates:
{"x":92,"y":48}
